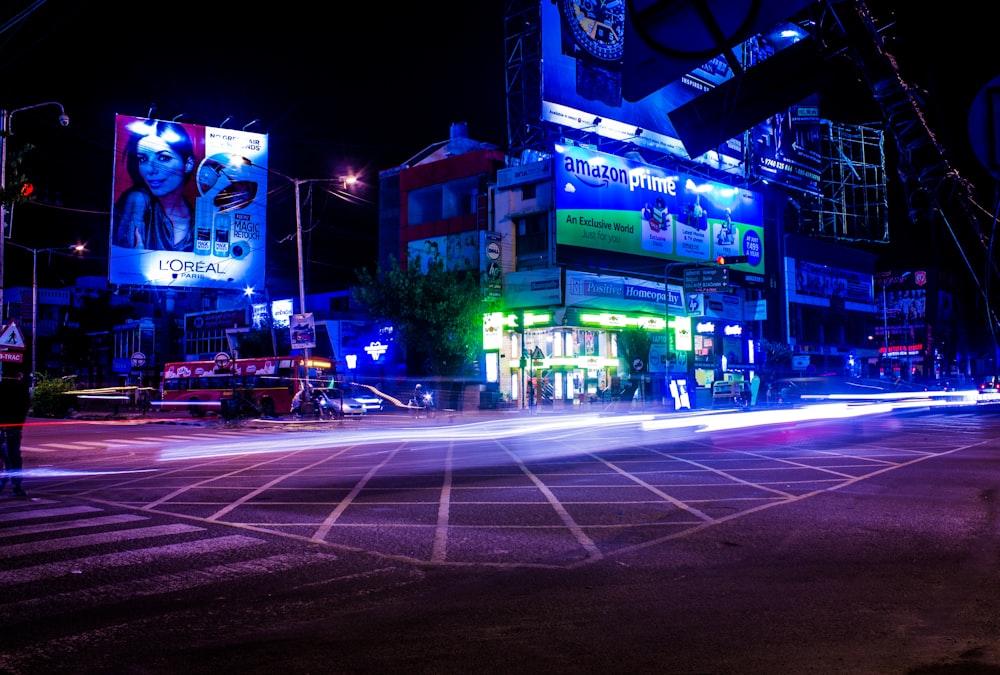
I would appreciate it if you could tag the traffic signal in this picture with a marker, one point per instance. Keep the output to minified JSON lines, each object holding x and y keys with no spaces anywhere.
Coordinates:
{"x":732,"y":259}
{"x":27,"y":189}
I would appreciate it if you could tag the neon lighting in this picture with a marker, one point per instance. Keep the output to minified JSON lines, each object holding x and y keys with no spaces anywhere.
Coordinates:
{"x":376,"y":350}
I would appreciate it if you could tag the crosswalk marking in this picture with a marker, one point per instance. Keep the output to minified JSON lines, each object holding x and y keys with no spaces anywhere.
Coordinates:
{"x":47,"y":513}
{"x":97,"y":538}
{"x":39,"y":528}
{"x":139,"y":556}
{"x":157,"y":585}
{"x":134,"y":551}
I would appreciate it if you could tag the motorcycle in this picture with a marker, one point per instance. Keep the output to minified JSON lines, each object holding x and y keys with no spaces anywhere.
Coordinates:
{"x":322,"y":406}
{"x":423,"y":403}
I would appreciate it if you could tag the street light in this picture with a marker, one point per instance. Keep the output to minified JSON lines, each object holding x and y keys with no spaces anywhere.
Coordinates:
{"x":6,"y":118}
{"x":76,"y":248}
{"x":346,"y":182}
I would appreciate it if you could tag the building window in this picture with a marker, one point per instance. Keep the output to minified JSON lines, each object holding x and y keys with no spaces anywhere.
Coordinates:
{"x":439,"y":202}
{"x":532,"y":234}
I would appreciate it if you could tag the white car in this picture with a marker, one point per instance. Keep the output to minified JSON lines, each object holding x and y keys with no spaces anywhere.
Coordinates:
{"x":336,"y":403}
{"x":365,"y":397}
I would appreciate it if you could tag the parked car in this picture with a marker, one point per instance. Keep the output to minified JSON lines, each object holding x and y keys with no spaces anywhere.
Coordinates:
{"x":365,"y":396}
{"x":334,"y":403}
{"x":340,"y":403}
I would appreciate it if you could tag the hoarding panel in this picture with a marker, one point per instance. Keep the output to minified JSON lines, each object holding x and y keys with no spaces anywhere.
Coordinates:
{"x":189,"y":205}
{"x":585,"y":51}
{"x":618,"y":206}
{"x":582,"y":80}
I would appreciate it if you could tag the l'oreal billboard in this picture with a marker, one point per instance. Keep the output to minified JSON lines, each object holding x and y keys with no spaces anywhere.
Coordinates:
{"x":189,"y":205}
{"x":635,"y":211}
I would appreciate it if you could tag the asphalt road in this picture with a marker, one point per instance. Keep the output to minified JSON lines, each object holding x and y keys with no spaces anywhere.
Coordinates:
{"x":572,"y":544}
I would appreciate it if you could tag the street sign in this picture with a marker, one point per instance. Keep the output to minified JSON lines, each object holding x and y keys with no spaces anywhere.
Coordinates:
{"x":138,"y":360}
{"x":303,"y":329}
{"x":222,"y":360}
{"x":11,"y":337}
{"x":706,"y":279}
{"x":11,"y":357}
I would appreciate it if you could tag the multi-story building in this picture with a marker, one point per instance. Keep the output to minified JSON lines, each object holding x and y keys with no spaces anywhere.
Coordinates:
{"x":596,"y":223}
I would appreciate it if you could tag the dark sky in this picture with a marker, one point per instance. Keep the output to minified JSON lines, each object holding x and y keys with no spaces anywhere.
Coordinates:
{"x":338,"y":87}
{"x":352,"y":87}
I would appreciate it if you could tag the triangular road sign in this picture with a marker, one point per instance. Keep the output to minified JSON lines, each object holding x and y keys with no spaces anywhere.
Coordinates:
{"x":11,"y":337}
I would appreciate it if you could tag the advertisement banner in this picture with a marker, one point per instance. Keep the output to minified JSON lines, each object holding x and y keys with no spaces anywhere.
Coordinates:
{"x":460,"y":251}
{"x":787,"y":147}
{"x":189,"y":205}
{"x":584,"y":289}
{"x":533,"y":288}
{"x":303,"y":331}
{"x":616,"y":205}
{"x":582,"y":83}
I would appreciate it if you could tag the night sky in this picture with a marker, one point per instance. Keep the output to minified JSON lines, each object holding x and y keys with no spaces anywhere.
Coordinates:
{"x":357,"y":87}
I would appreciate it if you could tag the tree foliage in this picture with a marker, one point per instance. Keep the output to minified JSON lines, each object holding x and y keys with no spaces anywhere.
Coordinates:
{"x":777,"y":357}
{"x":633,"y":343}
{"x":438,"y":314}
{"x":262,"y":340}
{"x":49,"y":397}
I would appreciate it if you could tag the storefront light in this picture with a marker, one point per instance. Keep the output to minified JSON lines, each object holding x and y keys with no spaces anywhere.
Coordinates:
{"x":616,"y":320}
{"x":531,"y":319}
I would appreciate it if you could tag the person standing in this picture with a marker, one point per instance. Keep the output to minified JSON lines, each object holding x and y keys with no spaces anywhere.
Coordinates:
{"x":15,"y":399}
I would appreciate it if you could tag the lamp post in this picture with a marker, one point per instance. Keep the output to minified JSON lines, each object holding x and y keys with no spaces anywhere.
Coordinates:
{"x":6,"y":131}
{"x":77,"y":248}
{"x":346,"y":181}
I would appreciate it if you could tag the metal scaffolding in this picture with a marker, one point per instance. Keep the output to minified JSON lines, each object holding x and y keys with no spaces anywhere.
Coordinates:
{"x":853,"y":203}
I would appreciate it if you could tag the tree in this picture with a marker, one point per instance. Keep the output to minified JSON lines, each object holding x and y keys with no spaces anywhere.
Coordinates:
{"x":438,"y":314}
{"x":633,"y":345}
{"x":50,"y":396}
{"x":262,"y":340}
{"x":777,"y":357}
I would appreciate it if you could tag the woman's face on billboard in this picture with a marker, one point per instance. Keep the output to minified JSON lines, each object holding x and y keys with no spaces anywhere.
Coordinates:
{"x":159,"y":165}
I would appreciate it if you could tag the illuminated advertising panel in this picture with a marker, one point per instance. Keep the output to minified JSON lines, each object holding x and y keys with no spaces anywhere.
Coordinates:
{"x":189,"y":205}
{"x":787,"y":149}
{"x":636,"y":212}
{"x":786,"y":146}
{"x":582,"y":83}
{"x":814,"y":280}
